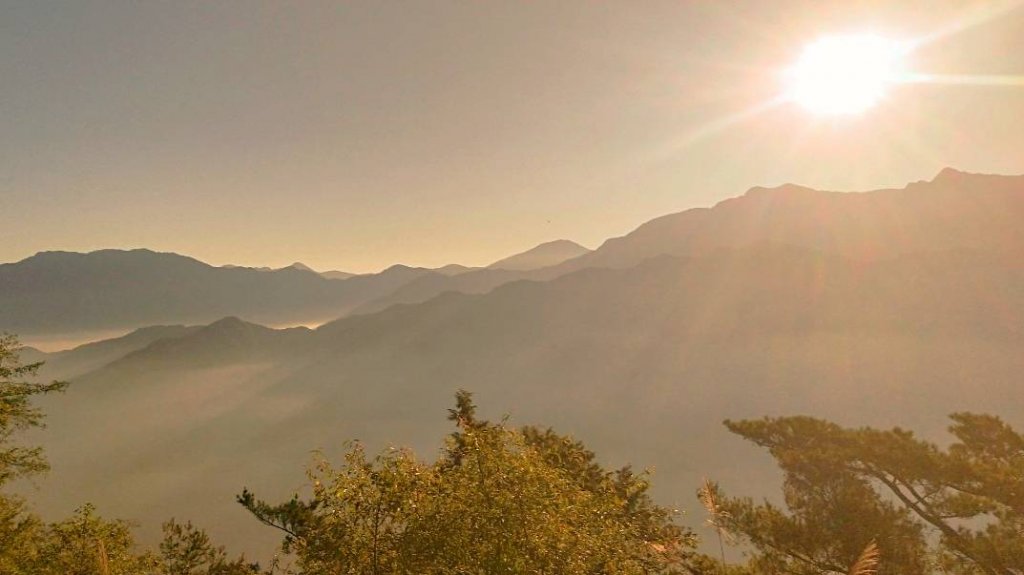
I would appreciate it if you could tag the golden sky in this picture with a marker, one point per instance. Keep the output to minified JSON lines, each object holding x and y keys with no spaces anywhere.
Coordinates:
{"x":354,"y":135}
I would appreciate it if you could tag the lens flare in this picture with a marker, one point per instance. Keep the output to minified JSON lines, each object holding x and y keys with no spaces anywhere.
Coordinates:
{"x":845,"y":74}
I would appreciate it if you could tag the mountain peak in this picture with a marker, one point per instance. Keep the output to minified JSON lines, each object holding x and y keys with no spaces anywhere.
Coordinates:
{"x":233,"y":325}
{"x":786,"y":190}
{"x":300,"y":266}
{"x":229,"y":322}
{"x":948,"y":178}
{"x":948,"y":173}
{"x":453,"y":269}
{"x":109,"y":257}
{"x":559,"y":243}
{"x":543,"y":255}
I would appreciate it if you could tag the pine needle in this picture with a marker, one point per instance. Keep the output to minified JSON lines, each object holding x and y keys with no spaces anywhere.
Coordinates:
{"x":867,"y":563}
{"x":708,"y":495}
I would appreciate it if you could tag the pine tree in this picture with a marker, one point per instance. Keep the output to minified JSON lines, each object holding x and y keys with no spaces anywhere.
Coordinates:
{"x":845,"y":488}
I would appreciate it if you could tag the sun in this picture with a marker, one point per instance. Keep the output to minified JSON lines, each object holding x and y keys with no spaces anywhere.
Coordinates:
{"x":847,"y":74}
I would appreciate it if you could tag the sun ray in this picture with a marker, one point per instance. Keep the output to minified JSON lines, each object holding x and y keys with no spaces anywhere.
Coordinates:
{"x":717,"y":125}
{"x":965,"y":79}
{"x":970,"y":19}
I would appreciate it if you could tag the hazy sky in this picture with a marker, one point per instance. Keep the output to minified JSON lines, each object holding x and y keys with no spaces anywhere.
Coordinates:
{"x":353,"y":135}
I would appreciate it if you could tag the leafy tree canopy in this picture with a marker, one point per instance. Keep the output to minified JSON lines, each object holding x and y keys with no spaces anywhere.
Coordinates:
{"x":498,"y":500}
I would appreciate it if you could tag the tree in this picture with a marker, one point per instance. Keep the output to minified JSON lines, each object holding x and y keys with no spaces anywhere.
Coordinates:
{"x":20,"y":534}
{"x":20,"y":531}
{"x":86,"y":544}
{"x":17,"y":412}
{"x":498,"y":500}
{"x":847,"y":487}
{"x":187,"y":550}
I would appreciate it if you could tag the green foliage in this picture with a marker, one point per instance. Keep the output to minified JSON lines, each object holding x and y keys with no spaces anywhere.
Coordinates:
{"x":498,"y":500}
{"x":845,"y":488}
{"x":20,"y":533}
{"x":17,"y":412}
{"x":187,"y":550}
{"x":86,"y":544}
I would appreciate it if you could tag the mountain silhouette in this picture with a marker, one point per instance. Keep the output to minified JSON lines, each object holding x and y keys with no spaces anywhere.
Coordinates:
{"x":87,"y":357}
{"x":301,"y":267}
{"x":955,"y":209}
{"x":781,"y":301}
{"x":542,"y":256}
{"x":60,"y":292}
{"x":336,"y":275}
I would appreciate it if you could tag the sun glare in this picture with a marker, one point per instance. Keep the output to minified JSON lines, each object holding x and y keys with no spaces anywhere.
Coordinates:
{"x":845,"y":74}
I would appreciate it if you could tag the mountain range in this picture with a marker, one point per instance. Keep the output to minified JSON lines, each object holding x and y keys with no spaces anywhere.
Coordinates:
{"x":890,"y":307}
{"x":953,"y":210}
{"x":68,"y":292}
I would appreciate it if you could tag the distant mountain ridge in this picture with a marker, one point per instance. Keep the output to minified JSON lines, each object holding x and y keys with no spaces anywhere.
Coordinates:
{"x":60,"y":292}
{"x":336,"y":275}
{"x":88,"y":357}
{"x":955,"y":209}
{"x":55,"y":292}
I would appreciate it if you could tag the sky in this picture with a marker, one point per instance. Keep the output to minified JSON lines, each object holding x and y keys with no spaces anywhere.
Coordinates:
{"x":356,"y":135}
